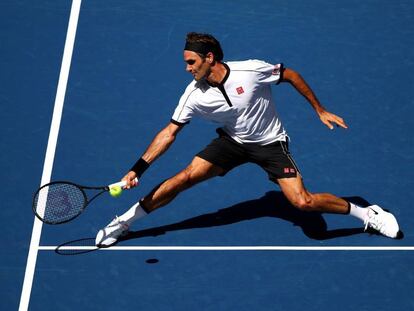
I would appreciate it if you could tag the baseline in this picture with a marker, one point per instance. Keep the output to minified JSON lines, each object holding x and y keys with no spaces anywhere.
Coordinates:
{"x":233,"y":248}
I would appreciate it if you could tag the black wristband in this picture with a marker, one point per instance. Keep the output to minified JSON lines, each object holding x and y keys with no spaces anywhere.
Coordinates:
{"x":140,"y":167}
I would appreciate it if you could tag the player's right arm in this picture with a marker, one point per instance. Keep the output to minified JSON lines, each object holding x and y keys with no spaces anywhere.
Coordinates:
{"x":164,"y":139}
{"x":160,"y":144}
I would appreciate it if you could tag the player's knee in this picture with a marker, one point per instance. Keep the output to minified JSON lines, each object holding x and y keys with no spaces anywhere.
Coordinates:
{"x":303,"y":202}
{"x":181,"y":179}
{"x":185,"y":178}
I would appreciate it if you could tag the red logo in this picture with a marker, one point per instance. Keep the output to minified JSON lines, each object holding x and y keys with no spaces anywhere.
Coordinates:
{"x":240,"y":90}
{"x":288,"y":170}
{"x":276,"y":70}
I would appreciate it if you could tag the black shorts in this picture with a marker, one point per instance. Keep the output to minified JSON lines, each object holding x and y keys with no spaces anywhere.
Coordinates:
{"x":274,"y":158}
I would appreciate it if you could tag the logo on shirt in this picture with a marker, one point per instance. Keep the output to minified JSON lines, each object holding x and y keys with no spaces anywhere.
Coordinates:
{"x":240,"y":90}
{"x":288,"y":170}
{"x":276,"y":70}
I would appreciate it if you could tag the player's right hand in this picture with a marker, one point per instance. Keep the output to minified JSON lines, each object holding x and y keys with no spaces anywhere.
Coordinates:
{"x":130,"y":180}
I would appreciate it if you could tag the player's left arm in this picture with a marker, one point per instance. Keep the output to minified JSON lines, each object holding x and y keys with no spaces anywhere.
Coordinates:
{"x":304,"y":89}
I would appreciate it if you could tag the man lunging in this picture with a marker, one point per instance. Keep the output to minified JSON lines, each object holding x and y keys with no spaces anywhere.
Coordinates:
{"x":238,"y":96}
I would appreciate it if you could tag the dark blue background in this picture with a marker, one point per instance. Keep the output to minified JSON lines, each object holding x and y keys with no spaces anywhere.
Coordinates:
{"x":126,"y":78}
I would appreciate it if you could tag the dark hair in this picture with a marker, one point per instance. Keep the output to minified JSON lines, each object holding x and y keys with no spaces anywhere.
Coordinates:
{"x":211,"y":44}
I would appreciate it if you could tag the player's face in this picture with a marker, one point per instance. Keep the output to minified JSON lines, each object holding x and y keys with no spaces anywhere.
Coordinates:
{"x":196,"y":65}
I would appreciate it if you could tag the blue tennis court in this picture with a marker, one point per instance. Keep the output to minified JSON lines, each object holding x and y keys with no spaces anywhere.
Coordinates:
{"x":231,"y":243}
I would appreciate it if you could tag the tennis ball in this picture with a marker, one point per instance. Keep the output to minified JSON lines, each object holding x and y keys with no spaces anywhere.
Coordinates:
{"x":115,"y":191}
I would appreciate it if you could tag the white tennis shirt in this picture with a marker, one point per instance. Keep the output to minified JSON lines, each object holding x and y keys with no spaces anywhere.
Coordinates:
{"x":242,"y":104}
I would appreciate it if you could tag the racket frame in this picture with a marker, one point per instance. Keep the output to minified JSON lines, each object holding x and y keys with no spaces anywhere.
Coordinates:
{"x":81,"y":188}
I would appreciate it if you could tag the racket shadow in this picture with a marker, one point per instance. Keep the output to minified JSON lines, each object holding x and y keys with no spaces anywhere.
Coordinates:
{"x":77,"y":247}
{"x":272,"y":204}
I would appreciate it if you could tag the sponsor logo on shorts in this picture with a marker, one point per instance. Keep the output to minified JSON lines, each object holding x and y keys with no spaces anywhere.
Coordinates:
{"x":288,"y":170}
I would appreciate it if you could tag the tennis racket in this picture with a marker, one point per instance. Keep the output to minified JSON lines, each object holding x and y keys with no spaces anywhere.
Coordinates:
{"x":62,"y":201}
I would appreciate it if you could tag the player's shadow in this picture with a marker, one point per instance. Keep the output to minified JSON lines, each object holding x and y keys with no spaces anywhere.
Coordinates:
{"x":272,"y":204}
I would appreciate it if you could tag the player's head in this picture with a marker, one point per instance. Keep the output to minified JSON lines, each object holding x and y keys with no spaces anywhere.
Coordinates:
{"x":201,"y":52}
{"x":203,"y":44}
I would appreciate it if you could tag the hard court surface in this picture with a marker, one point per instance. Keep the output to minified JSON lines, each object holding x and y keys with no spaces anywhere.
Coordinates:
{"x":231,"y":243}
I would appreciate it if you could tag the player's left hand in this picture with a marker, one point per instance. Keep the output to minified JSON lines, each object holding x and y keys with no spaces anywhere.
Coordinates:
{"x":328,"y":118}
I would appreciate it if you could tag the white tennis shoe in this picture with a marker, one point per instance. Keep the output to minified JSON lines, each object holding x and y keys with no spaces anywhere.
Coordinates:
{"x":111,"y":233}
{"x":382,"y":221}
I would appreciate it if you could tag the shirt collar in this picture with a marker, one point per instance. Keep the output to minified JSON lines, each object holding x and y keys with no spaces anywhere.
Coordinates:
{"x":224,"y":79}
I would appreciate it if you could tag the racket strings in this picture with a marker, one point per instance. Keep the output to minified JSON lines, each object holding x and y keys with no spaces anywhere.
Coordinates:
{"x":59,"y":202}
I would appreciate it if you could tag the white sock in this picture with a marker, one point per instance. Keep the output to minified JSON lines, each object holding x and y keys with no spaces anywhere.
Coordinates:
{"x":358,"y":211}
{"x":134,"y":213}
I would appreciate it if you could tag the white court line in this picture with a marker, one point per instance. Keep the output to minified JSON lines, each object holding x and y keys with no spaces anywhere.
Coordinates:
{"x":233,"y":248}
{"x":51,"y":148}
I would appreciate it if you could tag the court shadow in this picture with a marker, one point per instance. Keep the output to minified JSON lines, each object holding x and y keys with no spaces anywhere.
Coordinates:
{"x":77,"y":247}
{"x":272,"y":204}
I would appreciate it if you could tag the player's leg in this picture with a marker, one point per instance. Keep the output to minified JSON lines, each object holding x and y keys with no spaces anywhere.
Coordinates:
{"x":277,"y":161}
{"x":373,"y":216}
{"x":198,"y":170}
{"x":295,"y":191}
{"x":219,"y":157}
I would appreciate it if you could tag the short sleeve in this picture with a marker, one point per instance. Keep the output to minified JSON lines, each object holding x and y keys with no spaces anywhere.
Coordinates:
{"x":269,"y":73}
{"x":184,"y":110}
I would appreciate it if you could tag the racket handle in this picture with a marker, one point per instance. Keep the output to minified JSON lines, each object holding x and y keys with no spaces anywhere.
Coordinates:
{"x":121,"y":183}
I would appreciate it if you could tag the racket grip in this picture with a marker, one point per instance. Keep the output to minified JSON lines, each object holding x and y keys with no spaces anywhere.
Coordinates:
{"x":121,"y":183}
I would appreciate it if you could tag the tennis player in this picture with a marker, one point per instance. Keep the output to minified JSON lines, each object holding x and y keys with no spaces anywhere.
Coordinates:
{"x":238,"y":96}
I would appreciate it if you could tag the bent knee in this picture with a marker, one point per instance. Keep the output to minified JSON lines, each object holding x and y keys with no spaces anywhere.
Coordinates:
{"x":303,"y":202}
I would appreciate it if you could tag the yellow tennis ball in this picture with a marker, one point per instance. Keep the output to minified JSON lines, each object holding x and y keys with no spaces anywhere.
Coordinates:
{"x":115,"y":191}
